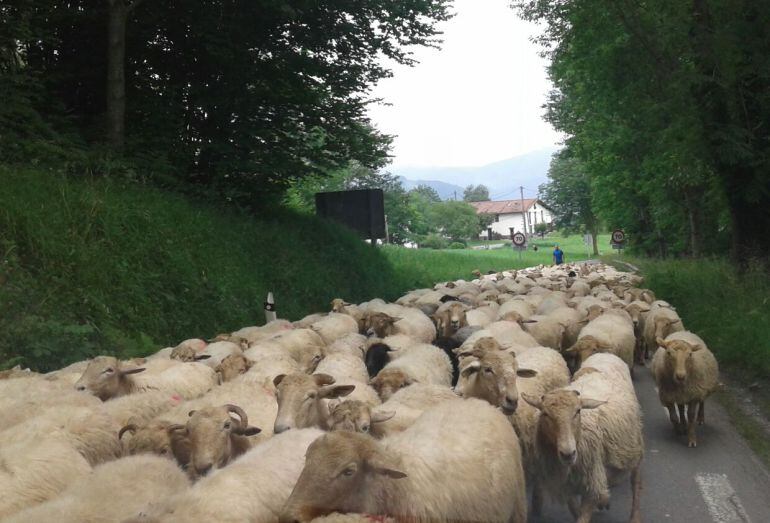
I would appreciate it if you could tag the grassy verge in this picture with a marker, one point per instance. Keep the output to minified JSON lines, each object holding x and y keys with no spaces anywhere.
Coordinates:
{"x":728,"y":310}
{"x":747,"y":425}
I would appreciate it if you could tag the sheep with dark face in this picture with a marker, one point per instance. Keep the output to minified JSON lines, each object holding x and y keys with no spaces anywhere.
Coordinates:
{"x":355,"y":416}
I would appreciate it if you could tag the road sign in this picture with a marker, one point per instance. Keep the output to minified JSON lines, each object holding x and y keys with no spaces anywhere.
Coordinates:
{"x":363,"y":210}
{"x":588,"y":239}
{"x":519,"y":239}
{"x":618,"y":236}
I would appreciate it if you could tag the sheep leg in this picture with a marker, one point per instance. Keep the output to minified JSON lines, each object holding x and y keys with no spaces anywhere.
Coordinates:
{"x":701,"y":409}
{"x":682,"y":419}
{"x":636,"y":493}
{"x":692,"y":409}
{"x":672,"y":415}
{"x":587,"y":508}
{"x":574,"y":506}
{"x":537,"y":498}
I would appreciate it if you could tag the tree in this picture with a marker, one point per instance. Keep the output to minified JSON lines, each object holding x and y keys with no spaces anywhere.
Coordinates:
{"x":457,"y":220}
{"x":568,"y":195}
{"x":477,"y":193}
{"x":428,"y":192}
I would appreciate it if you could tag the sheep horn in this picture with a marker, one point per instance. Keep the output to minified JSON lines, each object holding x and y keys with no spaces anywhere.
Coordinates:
{"x":128,"y":428}
{"x":240,"y":412}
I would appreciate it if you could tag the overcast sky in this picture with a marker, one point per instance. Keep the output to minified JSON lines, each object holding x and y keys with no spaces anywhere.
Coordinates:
{"x":477,"y":100}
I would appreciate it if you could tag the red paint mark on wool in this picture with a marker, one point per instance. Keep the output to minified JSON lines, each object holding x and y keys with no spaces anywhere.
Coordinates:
{"x":176,"y":398}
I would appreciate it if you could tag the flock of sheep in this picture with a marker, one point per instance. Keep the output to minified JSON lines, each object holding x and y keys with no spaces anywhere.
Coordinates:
{"x":448,"y":405}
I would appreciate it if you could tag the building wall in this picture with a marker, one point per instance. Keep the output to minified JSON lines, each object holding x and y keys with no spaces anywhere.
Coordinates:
{"x":535,"y":214}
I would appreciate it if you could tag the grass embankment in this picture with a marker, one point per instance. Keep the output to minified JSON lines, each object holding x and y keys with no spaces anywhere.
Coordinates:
{"x":97,"y":266}
{"x":102,"y":266}
{"x":730,"y":311}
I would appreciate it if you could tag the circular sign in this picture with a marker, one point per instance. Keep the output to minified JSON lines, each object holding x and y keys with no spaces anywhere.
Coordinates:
{"x":618,"y":236}
{"x":519,"y":239}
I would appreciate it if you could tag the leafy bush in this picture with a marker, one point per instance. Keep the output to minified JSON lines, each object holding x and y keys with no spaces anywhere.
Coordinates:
{"x":541,"y":228}
{"x":434,"y":241}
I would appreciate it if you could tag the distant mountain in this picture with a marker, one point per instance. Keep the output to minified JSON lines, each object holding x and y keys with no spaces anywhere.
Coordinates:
{"x":446,"y":191}
{"x":503,"y":178}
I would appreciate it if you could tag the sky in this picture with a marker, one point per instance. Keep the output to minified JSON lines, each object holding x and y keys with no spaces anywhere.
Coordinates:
{"x":475,"y":101}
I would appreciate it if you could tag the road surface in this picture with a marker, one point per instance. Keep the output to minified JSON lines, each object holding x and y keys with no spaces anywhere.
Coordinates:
{"x":720,"y":481}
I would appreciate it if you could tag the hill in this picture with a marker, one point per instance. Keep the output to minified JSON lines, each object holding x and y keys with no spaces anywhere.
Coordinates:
{"x":446,"y":191}
{"x":503,"y":178}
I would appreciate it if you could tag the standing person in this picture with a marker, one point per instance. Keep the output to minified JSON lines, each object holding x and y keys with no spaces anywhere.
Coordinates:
{"x":558,"y":255}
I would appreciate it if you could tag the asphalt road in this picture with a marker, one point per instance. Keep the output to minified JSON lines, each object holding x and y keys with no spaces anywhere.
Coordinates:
{"x":720,"y":481}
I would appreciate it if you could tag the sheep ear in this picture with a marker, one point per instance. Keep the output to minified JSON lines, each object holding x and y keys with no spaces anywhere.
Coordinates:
{"x":587,"y":403}
{"x":533,"y":400}
{"x":248,"y":431}
{"x":124,"y":372}
{"x":189,"y":414}
{"x":379,"y":417}
{"x":694,"y":348}
{"x":278,"y":379}
{"x":323,"y":379}
{"x":380,"y":463}
{"x":199,"y":357}
{"x":661,"y":342}
{"x":335,"y":391}
{"x":474,"y":366}
{"x":394,"y":319}
{"x":220,"y":379}
{"x":526,"y":373}
{"x":571,"y":350}
{"x":174,"y":428}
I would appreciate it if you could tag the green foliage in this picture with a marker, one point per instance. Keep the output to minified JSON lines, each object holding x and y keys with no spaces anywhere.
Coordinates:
{"x":568,"y":194}
{"x":427,"y":192}
{"x":541,"y":228}
{"x":99,"y":266}
{"x":457,"y":245}
{"x":665,"y":115}
{"x":727,"y":309}
{"x":457,"y":220}
{"x":476,"y":193}
{"x":433,"y":241}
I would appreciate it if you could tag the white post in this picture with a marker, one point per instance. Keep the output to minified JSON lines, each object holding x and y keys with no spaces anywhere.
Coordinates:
{"x":270,"y":314}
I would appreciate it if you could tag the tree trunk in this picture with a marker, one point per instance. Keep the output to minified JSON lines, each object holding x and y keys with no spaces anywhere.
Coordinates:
{"x":116,"y":74}
{"x":594,"y":241}
{"x":691,"y":204}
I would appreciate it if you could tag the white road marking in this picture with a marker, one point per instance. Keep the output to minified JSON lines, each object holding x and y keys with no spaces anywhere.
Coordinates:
{"x":722,"y":502}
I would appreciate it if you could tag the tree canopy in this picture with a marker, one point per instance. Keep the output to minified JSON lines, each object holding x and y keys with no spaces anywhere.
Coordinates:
{"x":476,"y":193}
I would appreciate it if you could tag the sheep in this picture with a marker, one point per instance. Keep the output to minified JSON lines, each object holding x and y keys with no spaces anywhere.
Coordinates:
{"x":341,"y":306}
{"x":377,"y":356}
{"x":448,"y":345}
{"x":186,"y":350}
{"x":256,"y":334}
{"x":553,"y":301}
{"x":405,"y":406}
{"x":161,"y":437}
{"x":573,"y":322}
{"x":303,"y":345}
{"x":335,"y":326}
{"x":686,"y":373}
{"x":232,"y":366}
{"x":354,"y":344}
{"x":111,"y":492}
{"x":252,"y":488}
{"x":309,"y":320}
{"x":411,"y":322}
{"x":107,"y":377}
{"x":355,"y":416}
{"x":88,"y":430}
{"x":548,"y":331}
{"x":509,"y":334}
{"x":216,"y":438}
{"x":265,"y":369}
{"x":479,"y":471}
{"x":419,"y":364}
{"x":659,"y":323}
{"x":301,"y":404}
{"x":578,"y":288}
{"x":638,"y":310}
{"x":585,"y":430}
{"x":523,"y":309}
{"x":336,"y":517}
{"x":449,"y":318}
{"x":35,"y":470}
{"x":214,"y":353}
{"x":610,"y":332}
{"x":343,"y":366}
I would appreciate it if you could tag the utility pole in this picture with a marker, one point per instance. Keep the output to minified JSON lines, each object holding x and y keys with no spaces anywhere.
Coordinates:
{"x":455,"y":195}
{"x":523,"y":214}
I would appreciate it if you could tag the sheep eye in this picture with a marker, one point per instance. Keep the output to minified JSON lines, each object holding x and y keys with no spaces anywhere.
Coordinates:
{"x":365,"y":428}
{"x":164,"y":451}
{"x":577,"y":413}
{"x":403,"y":385}
{"x":227,"y":424}
{"x":348,"y":471}
{"x":316,"y":358}
{"x":310,"y":396}
{"x":109,"y":370}
{"x":489,"y":370}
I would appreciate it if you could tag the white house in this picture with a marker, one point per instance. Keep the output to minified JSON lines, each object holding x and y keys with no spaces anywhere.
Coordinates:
{"x":508,"y":215}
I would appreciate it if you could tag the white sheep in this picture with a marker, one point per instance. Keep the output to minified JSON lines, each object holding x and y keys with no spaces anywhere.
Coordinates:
{"x":686,"y":373}
{"x":421,"y":363}
{"x":256,"y":334}
{"x":477,"y":463}
{"x":585,"y":430}
{"x":254,"y":487}
{"x":334,"y":326}
{"x":400,"y":320}
{"x":659,"y":323}
{"x":111,"y":492}
{"x":508,"y":333}
{"x":354,"y":344}
{"x":611,"y":332}
{"x":303,"y":345}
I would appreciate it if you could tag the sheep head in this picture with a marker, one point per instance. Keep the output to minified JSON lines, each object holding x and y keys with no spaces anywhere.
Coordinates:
{"x":338,"y":305}
{"x":665,"y":325}
{"x":157,"y":437}
{"x":491,"y":376}
{"x":106,"y":377}
{"x":299,"y":398}
{"x":355,"y":416}
{"x":213,"y":432}
{"x":389,"y":381}
{"x":336,"y":464}
{"x":380,"y":324}
{"x":587,"y":346}
{"x":678,"y":353}
{"x":232,"y":366}
{"x":559,"y":423}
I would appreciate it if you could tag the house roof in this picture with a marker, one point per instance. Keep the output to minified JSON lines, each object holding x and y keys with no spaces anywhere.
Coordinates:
{"x":504,"y":206}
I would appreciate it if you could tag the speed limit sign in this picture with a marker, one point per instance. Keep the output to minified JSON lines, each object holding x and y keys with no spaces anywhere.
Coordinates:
{"x":519,"y":239}
{"x":618,"y":236}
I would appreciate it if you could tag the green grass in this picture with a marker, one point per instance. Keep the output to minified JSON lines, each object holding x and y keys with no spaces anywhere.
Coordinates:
{"x":423,"y":267}
{"x":730,"y":311}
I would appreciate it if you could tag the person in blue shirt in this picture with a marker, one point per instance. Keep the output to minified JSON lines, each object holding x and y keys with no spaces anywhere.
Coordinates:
{"x":558,"y":255}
